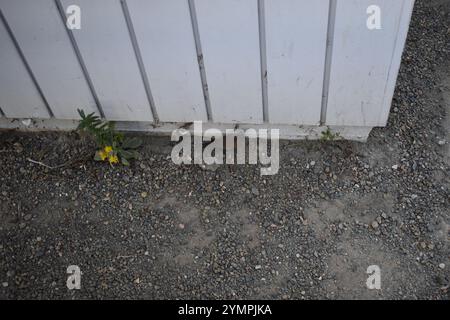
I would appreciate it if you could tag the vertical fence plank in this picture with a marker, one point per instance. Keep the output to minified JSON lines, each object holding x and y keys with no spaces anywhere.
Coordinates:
{"x":361,"y":62}
{"x":230,"y":41}
{"x":40,"y":33}
{"x":405,"y":20}
{"x":164,"y":33}
{"x":106,"y":47}
{"x":296,"y":32}
{"x":19,"y":97}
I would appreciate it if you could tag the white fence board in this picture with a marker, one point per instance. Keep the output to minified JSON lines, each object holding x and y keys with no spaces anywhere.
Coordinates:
{"x":139,"y":57}
{"x":229,"y":36}
{"x":19,"y":97}
{"x":41,"y":34}
{"x":361,"y":62}
{"x":405,"y":20}
{"x":295,"y":29}
{"x":106,"y":47}
{"x":164,"y":33}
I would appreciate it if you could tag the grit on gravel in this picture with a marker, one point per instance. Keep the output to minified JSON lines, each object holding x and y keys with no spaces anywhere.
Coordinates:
{"x":156,"y":230}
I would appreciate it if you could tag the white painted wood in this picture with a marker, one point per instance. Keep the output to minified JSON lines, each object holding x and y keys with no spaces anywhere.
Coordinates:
{"x":19,"y":97}
{"x":396,"y":60}
{"x":230,"y":41}
{"x":296,"y":32}
{"x":363,"y":69}
{"x":106,"y":47}
{"x":289,"y":132}
{"x":41,"y":34}
{"x":361,"y":62}
{"x":164,"y":33}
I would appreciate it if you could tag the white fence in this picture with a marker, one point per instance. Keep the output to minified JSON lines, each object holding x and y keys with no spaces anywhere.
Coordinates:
{"x":308,"y":63}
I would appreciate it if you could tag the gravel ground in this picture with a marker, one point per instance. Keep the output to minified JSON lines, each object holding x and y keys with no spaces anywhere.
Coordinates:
{"x":156,"y":230}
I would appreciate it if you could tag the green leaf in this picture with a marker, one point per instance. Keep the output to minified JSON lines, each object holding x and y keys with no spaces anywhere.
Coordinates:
{"x":119,"y":136}
{"x":136,"y":155}
{"x":129,"y":154}
{"x":124,"y":161}
{"x":131,"y":143}
{"x":81,"y":113}
{"x":126,"y":154}
{"x":97,"y":156}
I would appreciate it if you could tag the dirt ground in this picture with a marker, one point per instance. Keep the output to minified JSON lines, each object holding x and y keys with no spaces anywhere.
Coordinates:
{"x":155,"y":230}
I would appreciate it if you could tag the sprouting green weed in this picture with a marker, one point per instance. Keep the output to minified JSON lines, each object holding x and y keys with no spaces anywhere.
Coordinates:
{"x":328,"y":135}
{"x":113,"y":146}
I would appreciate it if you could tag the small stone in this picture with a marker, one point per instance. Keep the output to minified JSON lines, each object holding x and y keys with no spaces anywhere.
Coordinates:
{"x":4,"y":284}
{"x":375,"y":224}
{"x":442,"y":265}
{"x":441,"y":142}
{"x":27,"y":217}
{"x":395,"y":166}
{"x":137,"y":281}
{"x":26,"y":122}
{"x":18,"y":147}
{"x":144,"y":194}
{"x":181,"y":226}
{"x":257,"y":267}
{"x":255,"y":191}
{"x":312,"y":163}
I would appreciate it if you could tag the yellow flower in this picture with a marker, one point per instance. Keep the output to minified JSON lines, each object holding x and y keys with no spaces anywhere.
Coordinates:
{"x":103,"y":155}
{"x":113,"y":159}
{"x":108,"y":149}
